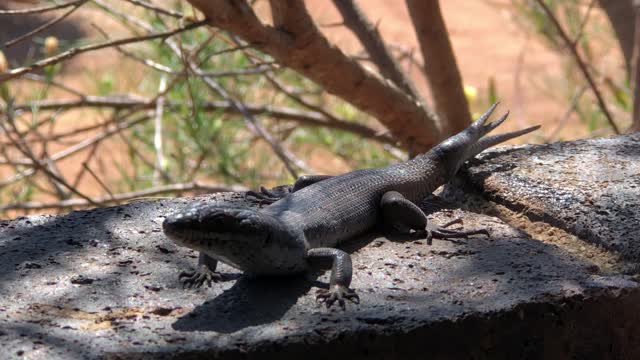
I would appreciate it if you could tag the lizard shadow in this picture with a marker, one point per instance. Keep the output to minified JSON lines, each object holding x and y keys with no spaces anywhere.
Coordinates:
{"x":254,"y":301}
{"x":249,"y":302}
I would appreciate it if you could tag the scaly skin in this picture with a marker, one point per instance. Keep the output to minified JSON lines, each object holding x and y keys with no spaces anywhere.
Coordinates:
{"x":315,"y":215}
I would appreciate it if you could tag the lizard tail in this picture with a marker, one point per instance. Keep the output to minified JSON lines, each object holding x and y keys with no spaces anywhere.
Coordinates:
{"x":489,"y":141}
{"x":454,"y":151}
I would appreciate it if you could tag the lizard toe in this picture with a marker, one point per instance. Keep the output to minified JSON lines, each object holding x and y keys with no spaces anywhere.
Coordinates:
{"x":337,"y":293}
{"x":198,"y":278}
{"x":445,"y":233}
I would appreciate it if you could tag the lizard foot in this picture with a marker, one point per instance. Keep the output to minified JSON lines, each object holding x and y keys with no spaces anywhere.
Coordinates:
{"x":337,"y":293}
{"x":443,"y":232}
{"x":198,"y":277}
{"x":269,"y":196}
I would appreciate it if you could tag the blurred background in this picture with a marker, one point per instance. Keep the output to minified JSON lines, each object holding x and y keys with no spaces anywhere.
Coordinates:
{"x":203,"y":109}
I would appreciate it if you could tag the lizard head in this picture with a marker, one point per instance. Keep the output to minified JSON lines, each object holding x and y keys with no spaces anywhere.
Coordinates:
{"x":225,"y":233}
{"x":471,"y":141}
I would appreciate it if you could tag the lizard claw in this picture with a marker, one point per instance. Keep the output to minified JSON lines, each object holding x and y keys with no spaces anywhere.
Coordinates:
{"x":443,"y":232}
{"x":197,"y":278}
{"x":337,"y":293}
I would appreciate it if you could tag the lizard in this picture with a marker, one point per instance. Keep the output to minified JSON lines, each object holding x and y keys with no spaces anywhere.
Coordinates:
{"x":310,"y":218}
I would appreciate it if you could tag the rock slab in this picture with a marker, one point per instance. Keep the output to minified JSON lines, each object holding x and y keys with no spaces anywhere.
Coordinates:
{"x":103,"y":283}
{"x":591,"y":188}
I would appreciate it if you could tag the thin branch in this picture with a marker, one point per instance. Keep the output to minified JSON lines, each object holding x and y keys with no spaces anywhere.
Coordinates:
{"x":583,"y":23}
{"x":581,"y":64}
{"x":23,"y":148}
{"x":44,"y":26}
{"x":77,"y":147}
{"x":301,"y":46}
{"x":282,"y":88}
{"x":371,"y":39}
{"x":285,"y":156}
{"x":40,"y":9}
{"x":257,"y":70}
{"x":104,"y":186}
{"x":563,"y":121}
{"x":50,"y":82}
{"x":157,"y":138}
{"x":303,"y":117}
{"x":157,"y":9}
{"x":118,"y":198}
{"x":79,"y":50}
{"x":92,"y":152}
{"x":165,"y":175}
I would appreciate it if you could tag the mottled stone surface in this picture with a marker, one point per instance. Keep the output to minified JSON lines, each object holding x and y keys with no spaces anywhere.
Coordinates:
{"x":590,"y":188}
{"x":104,"y":283}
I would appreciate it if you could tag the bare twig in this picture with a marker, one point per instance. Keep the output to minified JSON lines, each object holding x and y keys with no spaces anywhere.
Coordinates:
{"x":50,"y":82}
{"x":24,"y":149}
{"x":157,"y":138}
{"x":300,"y":45}
{"x":91,"y":154}
{"x":44,"y":26}
{"x":97,"y":179}
{"x":79,"y":50}
{"x":285,"y":156}
{"x":282,"y":88}
{"x":40,"y":9}
{"x":77,"y":147}
{"x":303,"y":117}
{"x":563,"y":121}
{"x":157,"y":9}
{"x":118,"y":198}
{"x":581,"y":64}
{"x":371,"y":39}
{"x":583,"y":23}
{"x":163,"y":173}
{"x":257,"y":70}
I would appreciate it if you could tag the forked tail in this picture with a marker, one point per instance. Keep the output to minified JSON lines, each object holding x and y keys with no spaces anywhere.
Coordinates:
{"x":470,"y":141}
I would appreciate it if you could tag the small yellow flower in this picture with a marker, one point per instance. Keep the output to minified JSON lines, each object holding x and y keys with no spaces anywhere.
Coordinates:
{"x":51,"y":45}
{"x":471,"y":93}
{"x":4,"y":64}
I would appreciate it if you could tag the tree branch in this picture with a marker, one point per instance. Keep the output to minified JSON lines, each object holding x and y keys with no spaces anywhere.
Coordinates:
{"x":299,"y":45}
{"x":370,"y":38}
{"x":44,"y":26}
{"x":118,"y":198}
{"x":581,"y":64}
{"x":303,"y":117}
{"x":83,"y":49}
{"x":440,"y":65}
{"x":40,"y":9}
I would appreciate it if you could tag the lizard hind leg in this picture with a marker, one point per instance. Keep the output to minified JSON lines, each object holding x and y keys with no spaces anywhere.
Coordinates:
{"x":405,"y":216}
{"x":401,"y":214}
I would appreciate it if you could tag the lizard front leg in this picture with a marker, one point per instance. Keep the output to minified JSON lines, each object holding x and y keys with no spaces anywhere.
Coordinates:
{"x":205,"y":272}
{"x":340,"y":277}
{"x":405,"y":216}
{"x":269,"y":196}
